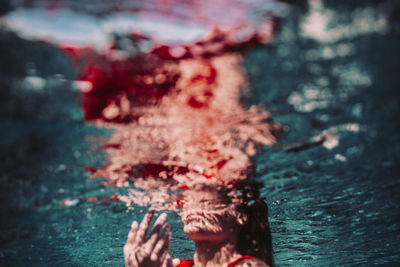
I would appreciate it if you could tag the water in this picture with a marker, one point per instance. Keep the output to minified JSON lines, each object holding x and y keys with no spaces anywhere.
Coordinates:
{"x":334,"y":203}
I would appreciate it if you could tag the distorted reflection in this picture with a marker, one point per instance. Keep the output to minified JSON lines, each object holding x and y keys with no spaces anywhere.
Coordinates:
{"x":198,"y":130}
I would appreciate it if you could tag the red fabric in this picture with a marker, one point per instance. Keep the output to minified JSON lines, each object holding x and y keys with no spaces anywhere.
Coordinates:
{"x":185,"y":263}
{"x":189,"y":263}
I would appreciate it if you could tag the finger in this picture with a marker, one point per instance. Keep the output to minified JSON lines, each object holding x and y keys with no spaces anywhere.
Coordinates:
{"x":164,"y":256}
{"x":168,"y":262}
{"x":144,"y":226}
{"x":159,"y":222}
{"x":162,"y":245}
{"x":132,"y":261}
{"x":148,"y":246}
{"x":155,"y":234}
{"x":154,"y":239}
{"x":132,"y":233}
{"x":166,"y":245}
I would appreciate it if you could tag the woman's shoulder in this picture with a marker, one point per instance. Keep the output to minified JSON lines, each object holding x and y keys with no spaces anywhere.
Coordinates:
{"x":184,"y":263}
{"x":244,"y":261}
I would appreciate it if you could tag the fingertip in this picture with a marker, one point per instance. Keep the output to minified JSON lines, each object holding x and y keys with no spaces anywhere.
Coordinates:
{"x":151,"y":212}
{"x":176,"y":261}
{"x":147,"y":218}
{"x":162,"y":218}
{"x":134,"y":225}
{"x":153,"y":257}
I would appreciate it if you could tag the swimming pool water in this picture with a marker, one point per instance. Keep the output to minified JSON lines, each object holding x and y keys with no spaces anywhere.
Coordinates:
{"x":331,"y":204}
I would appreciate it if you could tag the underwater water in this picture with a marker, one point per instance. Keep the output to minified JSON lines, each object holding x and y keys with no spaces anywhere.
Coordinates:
{"x":328,"y":76}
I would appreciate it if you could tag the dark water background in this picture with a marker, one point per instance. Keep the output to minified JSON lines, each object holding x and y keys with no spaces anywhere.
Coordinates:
{"x":328,"y":207}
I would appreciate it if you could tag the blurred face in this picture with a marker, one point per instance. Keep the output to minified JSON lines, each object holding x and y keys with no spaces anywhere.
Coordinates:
{"x":206,"y":216}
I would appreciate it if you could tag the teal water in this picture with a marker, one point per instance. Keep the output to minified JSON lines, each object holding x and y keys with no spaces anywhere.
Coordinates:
{"x":329,"y":205}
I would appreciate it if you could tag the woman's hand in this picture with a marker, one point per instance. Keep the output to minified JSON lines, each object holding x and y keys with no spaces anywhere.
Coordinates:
{"x":151,"y":251}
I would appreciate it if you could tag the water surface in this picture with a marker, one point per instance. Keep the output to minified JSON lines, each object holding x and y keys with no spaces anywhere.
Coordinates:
{"x":332,"y":202}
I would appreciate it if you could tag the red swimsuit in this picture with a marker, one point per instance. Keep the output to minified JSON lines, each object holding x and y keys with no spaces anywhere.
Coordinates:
{"x":189,"y":263}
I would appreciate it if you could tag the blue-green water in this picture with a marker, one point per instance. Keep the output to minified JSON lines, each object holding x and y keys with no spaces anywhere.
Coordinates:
{"x":334,"y":205}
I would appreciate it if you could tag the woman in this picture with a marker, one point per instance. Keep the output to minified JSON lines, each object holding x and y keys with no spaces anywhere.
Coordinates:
{"x":229,"y":227}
